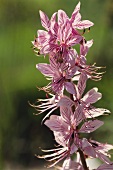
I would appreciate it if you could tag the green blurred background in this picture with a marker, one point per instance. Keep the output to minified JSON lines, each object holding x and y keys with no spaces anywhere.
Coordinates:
{"x":21,"y":133}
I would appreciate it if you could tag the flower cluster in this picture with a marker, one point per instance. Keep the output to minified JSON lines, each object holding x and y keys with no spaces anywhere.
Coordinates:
{"x":68,"y":73}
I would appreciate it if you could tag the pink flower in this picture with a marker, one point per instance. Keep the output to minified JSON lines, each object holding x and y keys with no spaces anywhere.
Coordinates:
{"x":76,"y":19}
{"x":77,"y":113}
{"x":90,"y":70}
{"x":62,"y":136}
{"x":61,"y":35}
{"x":97,"y":150}
{"x":84,"y":102}
{"x":68,"y":122}
{"x":66,"y":132}
{"x":61,"y":129}
{"x":88,"y":99}
{"x":58,"y":38}
{"x":62,"y":126}
{"x":65,"y":126}
{"x":60,"y":74}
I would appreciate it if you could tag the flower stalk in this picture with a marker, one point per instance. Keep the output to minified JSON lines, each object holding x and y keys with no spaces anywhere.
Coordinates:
{"x":68,"y":73}
{"x":82,"y":157}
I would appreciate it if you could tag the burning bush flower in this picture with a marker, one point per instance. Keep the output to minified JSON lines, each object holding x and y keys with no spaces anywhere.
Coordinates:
{"x":68,"y":73}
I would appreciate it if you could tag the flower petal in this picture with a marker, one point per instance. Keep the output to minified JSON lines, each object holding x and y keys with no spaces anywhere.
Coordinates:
{"x":90,"y":126}
{"x":45,"y":69}
{"x":76,"y":15}
{"x":67,"y":31}
{"x":92,"y":96}
{"x":62,"y":17}
{"x":55,"y":123}
{"x":69,"y":86}
{"x":54,"y":24}
{"x":95,"y":112}
{"x":103,"y":157}
{"x":83,"y":24}
{"x":65,"y":101}
{"x":81,"y":84}
{"x":105,"y":167}
{"x":78,"y":115}
{"x":44,"y":20}
{"x":66,"y":114}
{"x":88,"y":149}
{"x":74,"y":39}
{"x":43,"y":36}
{"x":85,"y":47}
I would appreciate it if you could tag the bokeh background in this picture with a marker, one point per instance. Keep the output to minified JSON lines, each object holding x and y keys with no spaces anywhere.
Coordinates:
{"x":21,"y":133}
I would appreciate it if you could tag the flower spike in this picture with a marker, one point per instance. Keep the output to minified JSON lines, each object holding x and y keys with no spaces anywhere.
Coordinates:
{"x":68,"y":73}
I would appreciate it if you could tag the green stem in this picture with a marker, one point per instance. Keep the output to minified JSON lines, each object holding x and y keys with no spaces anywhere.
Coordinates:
{"x":82,"y":157}
{"x":83,"y":160}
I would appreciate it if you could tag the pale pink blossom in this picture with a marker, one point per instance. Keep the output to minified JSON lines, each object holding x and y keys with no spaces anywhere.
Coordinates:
{"x":84,"y":102}
{"x":68,"y":73}
{"x":97,"y":150}
{"x":65,"y":126}
{"x":56,"y":155}
{"x":90,"y":70}
{"x":63,"y":131}
{"x":76,"y":19}
{"x":60,"y":74}
{"x":88,"y":99}
{"x":60,"y":36}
